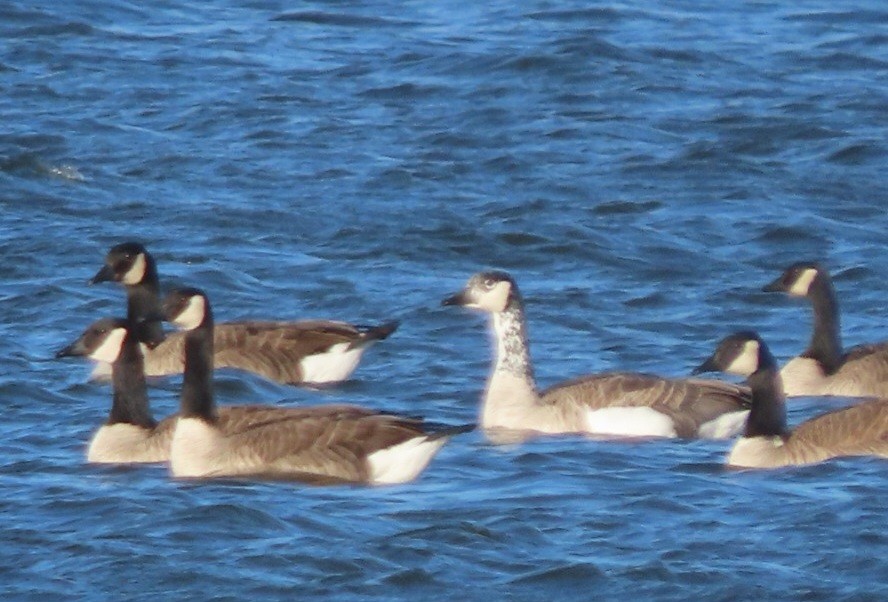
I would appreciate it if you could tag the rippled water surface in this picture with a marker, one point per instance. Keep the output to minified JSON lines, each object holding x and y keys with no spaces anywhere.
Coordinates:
{"x":641,"y":169}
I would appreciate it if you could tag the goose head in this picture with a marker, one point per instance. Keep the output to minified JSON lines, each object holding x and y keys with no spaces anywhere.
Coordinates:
{"x":489,"y":291}
{"x":742,"y":353}
{"x":102,"y":341}
{"x":796,"y":280}
{"x":187,"y":308}
{"x":127,"y":263}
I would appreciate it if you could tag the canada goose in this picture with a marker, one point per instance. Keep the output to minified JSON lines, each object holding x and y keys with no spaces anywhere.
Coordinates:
{"x":620,"y":404}
{"x":311,"y":352}
{"x":824,"y":368}
{"x":341,"y":443}
{"x":131,"y":435}
{"x":859,"y":430}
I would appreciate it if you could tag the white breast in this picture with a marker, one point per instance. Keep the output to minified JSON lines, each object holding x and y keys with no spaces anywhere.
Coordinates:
{"x":757,"y":452}
{"x":124,"y":443}
{"x":803,"y":376}
{"x":196,"y":448}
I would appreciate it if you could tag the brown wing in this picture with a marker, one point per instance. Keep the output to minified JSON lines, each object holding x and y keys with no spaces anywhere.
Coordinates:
{"x":331,"y":441}
{"x":689,"y":402}
{"x":867,"y":367}
{"x":858,"y":430}
{"x":270,"y":349}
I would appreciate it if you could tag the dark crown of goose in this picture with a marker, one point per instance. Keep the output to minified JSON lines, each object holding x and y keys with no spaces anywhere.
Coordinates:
{"x":791,"y":275}
{"x":119,"y":261}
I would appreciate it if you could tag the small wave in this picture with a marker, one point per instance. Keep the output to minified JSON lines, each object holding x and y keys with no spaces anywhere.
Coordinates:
{"x":324,"y":18}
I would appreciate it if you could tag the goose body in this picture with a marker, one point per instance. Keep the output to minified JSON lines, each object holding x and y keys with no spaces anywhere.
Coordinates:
{"x":311,"y":352}
{"x":824,"y":368}
{"x":858,"y":430}
{"x":335,"y":443}
{"x":611,"y":404}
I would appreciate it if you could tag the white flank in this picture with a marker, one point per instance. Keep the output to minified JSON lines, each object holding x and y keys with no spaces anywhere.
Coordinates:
{"x":193,"y":314}
{"x":746,"y":361}
{"x":135,"y":274}
{"x":123,"y":443}
{"x":802,"y":284}
{"x":629,"y":422}
{"x":403,"y":462}
{"x":334,"y":365}
{"x":725,"y":426}
{"x":195,"y":448}
{"x":110,"y":348}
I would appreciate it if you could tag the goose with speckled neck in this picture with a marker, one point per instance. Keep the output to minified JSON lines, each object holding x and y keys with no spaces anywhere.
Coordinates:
{"x":620,"y":404}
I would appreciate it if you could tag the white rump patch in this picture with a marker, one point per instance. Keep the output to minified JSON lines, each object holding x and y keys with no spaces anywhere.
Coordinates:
{"x":747,"y":361}
{"x":725,"y":426}
{"x":193,"y":314}
{"x":630,"y":422}
{"x":109,"y":350}
{"x":802,"y":284}
{"x":136,"y":272}
{"x":403,"y":462}
{"x":333,"y":365}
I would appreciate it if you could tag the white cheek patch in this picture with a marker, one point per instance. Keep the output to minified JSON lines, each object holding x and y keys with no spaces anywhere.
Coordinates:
{"x":110,"y":348}
{"x":746,"y":361}
{"x":802,"y":284}
{"x":497,"y":298}
{"x":135,"y":274}
{"x":193,"y":314}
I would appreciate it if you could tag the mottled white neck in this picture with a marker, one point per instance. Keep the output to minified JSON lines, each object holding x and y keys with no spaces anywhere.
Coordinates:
{"x":511,"y":400}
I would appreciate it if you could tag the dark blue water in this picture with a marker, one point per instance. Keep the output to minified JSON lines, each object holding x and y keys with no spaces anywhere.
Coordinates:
{"x":641,"y":169}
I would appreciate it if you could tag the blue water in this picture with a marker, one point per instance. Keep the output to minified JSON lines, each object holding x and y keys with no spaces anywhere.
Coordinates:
{"x":641,"y":169}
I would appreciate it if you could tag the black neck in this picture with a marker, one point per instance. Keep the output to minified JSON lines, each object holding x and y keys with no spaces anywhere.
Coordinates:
{"x":826,"y":342}
{"x":197,"y":384}
{"x":144,"y":306}
{"x":130,"y":403}
{"x":767,"y":417}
